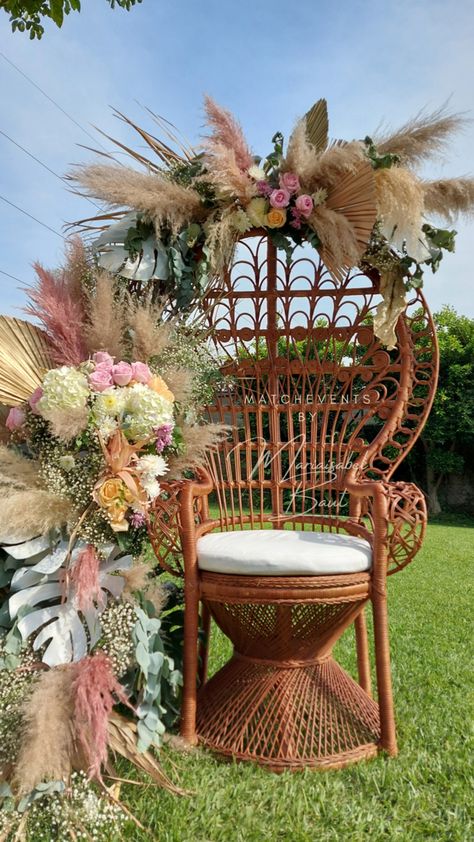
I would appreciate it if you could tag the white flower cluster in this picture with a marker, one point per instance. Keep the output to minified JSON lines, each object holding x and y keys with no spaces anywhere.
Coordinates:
{"x":63,"y":388}
{"x":138,"y":409}
{"x":150,"y":467}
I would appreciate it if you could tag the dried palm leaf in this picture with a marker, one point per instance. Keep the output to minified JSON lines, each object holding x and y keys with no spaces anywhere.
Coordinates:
{"x":422,"y":137}
{"x":355,"y":197}
{"x":123,"y":740}
{"x":344,"y":224}
{"x":24,"y":359}
{"x":448,"y":197}
{"x":317,"y":125}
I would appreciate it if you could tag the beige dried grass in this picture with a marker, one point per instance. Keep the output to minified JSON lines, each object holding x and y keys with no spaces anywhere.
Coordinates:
{"x":449,"y":197}
{"x":47,"y":751}
{"x":300,"y":155}
{"x":106,"y":321}
{"x":150,"y":334}
{"x":180,"y":381}
{"x":226,"y":176}
{"x":400,"y":205}
{"x":198,"y":441}
{"x":340,"y":249}
{"x":422,"y":137}
{"x":338,"y":160}
{"x":67,"y":425}
{"x":16,"y":471}
{"x":25,"y":514}
{"x":161,"y":199}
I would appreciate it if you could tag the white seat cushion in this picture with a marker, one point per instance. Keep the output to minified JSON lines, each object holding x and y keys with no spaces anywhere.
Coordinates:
{"x":279,"y":552}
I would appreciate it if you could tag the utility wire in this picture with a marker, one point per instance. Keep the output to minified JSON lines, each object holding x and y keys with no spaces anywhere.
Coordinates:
{"x":13,"y":277}
{"x":53,"y":101}
{"x":45,"y":166}
{"x":32,"y":217}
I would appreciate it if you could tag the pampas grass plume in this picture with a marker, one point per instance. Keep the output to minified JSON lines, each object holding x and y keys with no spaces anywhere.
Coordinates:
{"x":25,"y":514}
{"x":96,"y":691}
{"x":55,"y":303}
{"x":151,"y":335}
{"x":106,"y":319}
{"x":198,"y":441}
{"x":85,"y":578}
{"x":227,"y":132}
{"x":448,"y":197}
{"x":422,"y":137}
{"x":47,"y":749}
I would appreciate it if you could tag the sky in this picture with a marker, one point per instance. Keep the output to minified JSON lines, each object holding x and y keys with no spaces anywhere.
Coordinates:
{"x":266,"y":60}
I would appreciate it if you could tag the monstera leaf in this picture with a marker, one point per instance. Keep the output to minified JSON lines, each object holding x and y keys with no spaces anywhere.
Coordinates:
{"x":52,"y":611}
{"x":112,"y":247}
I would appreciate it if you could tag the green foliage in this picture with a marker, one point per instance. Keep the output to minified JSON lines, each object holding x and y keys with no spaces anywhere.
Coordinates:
{"x":28,"y":15}
{"x":423,"y":795}
{"x":452,"y":417}
{"x":379,"y":162}
{"x":156,"y":680}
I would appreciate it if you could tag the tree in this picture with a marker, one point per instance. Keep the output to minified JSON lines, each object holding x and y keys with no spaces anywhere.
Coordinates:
{"x":448,"y":438}
{"x":28,"y":15}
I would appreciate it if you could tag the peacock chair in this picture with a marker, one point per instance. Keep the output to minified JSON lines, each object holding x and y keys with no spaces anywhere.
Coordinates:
{"x":295,"y":524}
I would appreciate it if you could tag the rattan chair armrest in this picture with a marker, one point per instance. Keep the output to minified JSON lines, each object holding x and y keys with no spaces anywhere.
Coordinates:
{"x":399,"y":516}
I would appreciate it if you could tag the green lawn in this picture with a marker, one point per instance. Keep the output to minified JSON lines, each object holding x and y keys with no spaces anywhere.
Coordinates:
{"x":426,"y":793}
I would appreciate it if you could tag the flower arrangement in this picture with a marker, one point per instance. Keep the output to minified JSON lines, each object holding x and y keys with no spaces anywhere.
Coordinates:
{"x":104,"y":407}
{"x":359,"y":203}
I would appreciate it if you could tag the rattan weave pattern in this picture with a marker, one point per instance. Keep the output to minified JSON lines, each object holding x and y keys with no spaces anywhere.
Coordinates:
{"x":321,"y":415}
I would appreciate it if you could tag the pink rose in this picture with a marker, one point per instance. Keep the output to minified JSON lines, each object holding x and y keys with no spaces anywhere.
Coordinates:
{"x":100,"y":379}
{"x":15,"y":419}
{"x":290,"y":181}
{"x":279,"y":198}
{"x":141,"y":373}
{"x":122,"y":373}
{"x":102,"y":358}
{"x":304,"y":204}
{"x":35,"y":398}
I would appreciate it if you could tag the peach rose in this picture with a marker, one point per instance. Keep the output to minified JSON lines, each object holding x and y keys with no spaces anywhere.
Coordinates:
{"x":109,"y":491}
{"x":276,"y":218}
{"x":159,"y":386}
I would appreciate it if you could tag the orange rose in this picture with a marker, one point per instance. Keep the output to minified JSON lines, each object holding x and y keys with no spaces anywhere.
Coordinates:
{"x":276,"y":218}
{"x":159,"y":386}
{"x":109,"y":491}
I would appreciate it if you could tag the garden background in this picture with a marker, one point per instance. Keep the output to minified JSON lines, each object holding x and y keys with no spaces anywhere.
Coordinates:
{"x":267,"y":62}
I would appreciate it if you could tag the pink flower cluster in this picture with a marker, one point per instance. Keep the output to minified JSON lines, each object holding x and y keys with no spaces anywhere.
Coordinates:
{"x":107,"y":373}
{"x":282,"y":196}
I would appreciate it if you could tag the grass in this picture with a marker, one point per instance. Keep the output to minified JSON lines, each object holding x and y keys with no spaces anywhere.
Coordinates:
{"x":423,"y":794}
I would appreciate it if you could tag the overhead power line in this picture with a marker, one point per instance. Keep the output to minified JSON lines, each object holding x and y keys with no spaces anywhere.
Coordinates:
{"x":45,"y":166}
{"x":53,"y":101}
{"x":43,"y":224}
{"x":13,"y":277}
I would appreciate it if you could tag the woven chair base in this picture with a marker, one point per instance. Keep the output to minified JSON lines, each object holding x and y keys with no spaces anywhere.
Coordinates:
{"x":314,"y":715}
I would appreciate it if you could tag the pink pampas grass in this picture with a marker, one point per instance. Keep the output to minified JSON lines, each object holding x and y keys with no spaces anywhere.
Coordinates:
{"x":85,"y":578}
{"x":55,"y":303}
{"x":226,"y":131}
{"x":96,"y":691}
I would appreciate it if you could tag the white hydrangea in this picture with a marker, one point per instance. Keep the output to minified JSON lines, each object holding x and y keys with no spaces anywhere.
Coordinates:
{"x":145,"y":410}
{"x":64,"y":388}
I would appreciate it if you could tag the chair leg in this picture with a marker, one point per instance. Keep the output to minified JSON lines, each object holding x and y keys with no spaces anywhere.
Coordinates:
{"x":388,"y":739}
{"x":362,"y":647}
{"x":190,"y":665}
{"x":204,"y":644}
